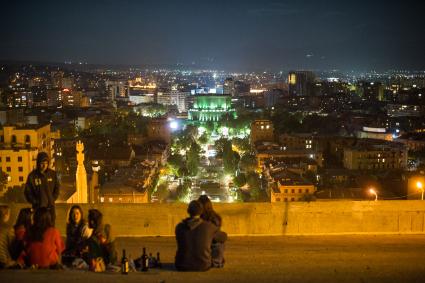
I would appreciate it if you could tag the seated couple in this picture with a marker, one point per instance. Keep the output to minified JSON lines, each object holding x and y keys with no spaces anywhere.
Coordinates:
{"x":200,"y":242}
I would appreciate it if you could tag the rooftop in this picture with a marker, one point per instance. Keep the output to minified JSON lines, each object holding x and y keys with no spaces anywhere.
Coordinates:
{"x":374,"y":258}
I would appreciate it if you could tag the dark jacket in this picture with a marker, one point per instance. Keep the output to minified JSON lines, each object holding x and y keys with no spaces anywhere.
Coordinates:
{"x":102,"y":244}
{"x":42,"y":189}
{"x":194,"y":237}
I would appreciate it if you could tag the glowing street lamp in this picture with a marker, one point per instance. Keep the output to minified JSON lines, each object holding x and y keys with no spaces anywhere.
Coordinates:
{"x":421,"y":188}
{"x":373,"y":192}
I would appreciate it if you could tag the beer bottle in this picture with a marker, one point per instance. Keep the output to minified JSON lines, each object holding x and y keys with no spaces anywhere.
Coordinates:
{"x":124,"y":263}
{"x":145,"y":261}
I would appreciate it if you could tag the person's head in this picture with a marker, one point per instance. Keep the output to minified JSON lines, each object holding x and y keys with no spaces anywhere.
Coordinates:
{"x":95,"y":218}
{"x":75,"y":215}
{"x":24,"y":218}
{"x":206,"y":203}
{"x":42,"y":221}
{"x":4,"y":213}
{"x":42,"y":161}
{"x":194,"y":208}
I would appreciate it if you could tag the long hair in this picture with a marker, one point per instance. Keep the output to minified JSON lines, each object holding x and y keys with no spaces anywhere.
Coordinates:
{"x":42,"y":222}
{"x":95,"y":219}
{"x":24,"y":219}
{"x":70,"y":220}
{"x":209,"y":214}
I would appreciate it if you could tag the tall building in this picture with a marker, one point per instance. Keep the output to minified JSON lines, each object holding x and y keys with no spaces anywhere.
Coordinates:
{"x":19,"y":147}
{"x":370,"y":91}
{"x":117,"y":89}
{"x":301,"y":83}
{"x":174,"y":97}
{"x":71,"y":98}
{"x":19,"y":96}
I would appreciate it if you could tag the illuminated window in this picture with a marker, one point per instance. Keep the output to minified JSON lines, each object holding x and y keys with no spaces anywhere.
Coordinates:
{"x":110,"y":199}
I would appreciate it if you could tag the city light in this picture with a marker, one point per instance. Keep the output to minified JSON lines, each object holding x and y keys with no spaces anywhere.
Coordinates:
{"x":420,"y":187}
{"x":174,"y":125}
{"x":373,"y":192}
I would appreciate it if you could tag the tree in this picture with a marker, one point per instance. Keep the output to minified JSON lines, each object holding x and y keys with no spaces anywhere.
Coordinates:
{"x":240,"y":180}
{"x":230,"y":158}
{"x":193,"y":160}
{"x":183,"y":190}
{"x":175,"y":162}
{"x":254,"y":183}
{"x":248,"y":162}
{"x":162,"y":192}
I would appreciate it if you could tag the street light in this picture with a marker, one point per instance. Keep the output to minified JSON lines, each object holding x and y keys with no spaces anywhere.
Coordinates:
{"x":373,"y":192}
{"x":421,"y":188}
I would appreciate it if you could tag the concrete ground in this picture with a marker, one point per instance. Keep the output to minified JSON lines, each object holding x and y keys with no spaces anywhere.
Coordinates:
{"x":397,"y":258}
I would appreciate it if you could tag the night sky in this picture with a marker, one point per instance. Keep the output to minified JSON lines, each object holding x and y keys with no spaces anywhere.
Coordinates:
{"x":232,"y":35}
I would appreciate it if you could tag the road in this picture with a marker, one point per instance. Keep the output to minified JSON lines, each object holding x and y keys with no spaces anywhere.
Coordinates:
{"x":272,"y":259}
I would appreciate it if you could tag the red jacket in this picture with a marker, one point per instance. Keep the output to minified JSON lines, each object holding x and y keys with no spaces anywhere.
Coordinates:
{"x":47,"y":252}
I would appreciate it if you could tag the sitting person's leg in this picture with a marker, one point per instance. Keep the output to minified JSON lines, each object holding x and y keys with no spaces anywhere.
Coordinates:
{"x":217,"y":254}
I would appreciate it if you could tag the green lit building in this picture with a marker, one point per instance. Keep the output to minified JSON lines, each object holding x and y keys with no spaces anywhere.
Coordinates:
{"x":212,"y":108}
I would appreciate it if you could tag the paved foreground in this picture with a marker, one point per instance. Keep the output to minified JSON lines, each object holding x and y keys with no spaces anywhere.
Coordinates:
{"x":271,"y":259}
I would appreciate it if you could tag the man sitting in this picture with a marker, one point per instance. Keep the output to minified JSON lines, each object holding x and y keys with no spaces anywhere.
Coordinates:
{"x":194,"y":237}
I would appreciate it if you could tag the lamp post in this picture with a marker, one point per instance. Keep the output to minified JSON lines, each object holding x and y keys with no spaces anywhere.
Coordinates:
{"x":373,"y":192}
{"x":421,"y":188}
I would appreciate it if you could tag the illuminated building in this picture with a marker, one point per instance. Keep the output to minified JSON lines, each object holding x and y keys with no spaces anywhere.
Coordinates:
{"x":370,"y":91}
{"x":262,"y":130}
{"x":374,"y":133}
{"x":71,"y":98}
{"x":19,"y":97}
{"x":174,"y":97}
{"x":117,"y":89}
{"x":19,"y":147}
{"x":375,"y":155}
{"x":301,"y":83}
{"x":212,"y":108}
{"x":287,"y":186}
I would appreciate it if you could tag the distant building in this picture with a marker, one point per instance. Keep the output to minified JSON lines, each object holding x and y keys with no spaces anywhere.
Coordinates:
{"x":117,"y":89}
{"x":174,"y":97}
{"x":301,"y":83}
{"x":212,"y":108}
{"x":373,"y":155}
{"x":159,"y":130}
{"x":262,"y":130}
{"x":374,"y":133}
{"x":19,"y":147}
{"x":19,"y":97}
{"x":71,"y":98}
{"x":370,"y":91}
{"x":229,"y":87}
{"x":288,"y":186}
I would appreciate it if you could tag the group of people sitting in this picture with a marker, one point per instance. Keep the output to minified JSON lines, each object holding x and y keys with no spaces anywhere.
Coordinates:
{"x":34,"y":242}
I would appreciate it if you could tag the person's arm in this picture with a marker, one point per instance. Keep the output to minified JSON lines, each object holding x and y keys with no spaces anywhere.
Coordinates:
{"x":56,"y":187}
{"x":220,"y":236}
{"x":5,"y":257}
{"x":29,"y":191}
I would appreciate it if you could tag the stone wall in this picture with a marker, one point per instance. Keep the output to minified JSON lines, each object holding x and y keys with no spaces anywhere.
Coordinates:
{"x":292,"y":218}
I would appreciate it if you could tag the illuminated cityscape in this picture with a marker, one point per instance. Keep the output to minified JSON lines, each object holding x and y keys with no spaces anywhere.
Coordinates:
{"x":275,"y":110}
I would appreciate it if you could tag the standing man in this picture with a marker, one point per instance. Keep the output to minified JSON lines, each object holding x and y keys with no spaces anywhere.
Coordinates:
{"x":194,"y":238}
{"x":42,"y":187}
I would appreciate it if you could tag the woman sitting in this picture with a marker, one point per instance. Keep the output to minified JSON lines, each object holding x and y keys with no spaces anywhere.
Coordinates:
{"x":45,"y":244}
{"x":77,"y":232}
{"x":22,"y":228}
{"x":100,"y":244}
{"x":208,"y":214}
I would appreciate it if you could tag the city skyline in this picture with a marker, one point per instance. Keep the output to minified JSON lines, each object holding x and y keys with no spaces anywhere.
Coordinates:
{"x":236,"y":36}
